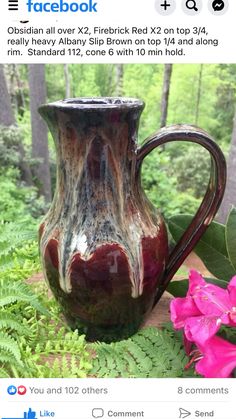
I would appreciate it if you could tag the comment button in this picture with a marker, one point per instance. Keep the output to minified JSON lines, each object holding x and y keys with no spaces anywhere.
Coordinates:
{"x":97,"y":413}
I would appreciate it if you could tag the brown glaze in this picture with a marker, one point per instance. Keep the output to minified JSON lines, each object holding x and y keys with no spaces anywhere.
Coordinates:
{"x":104,"y":246}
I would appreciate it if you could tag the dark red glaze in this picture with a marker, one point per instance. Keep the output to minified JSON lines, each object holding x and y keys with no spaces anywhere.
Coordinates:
{"x":51,"y":253}
{"x":104,"y":246}
{"x":104,"y":282}
{"x":153,"y":250}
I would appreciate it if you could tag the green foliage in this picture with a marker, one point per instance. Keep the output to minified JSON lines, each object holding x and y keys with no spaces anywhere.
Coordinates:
{"x":145,"y":82}
{"x":12,"y":198}
{"x":29,"y":346}
{"x":17,"y":300}
{"x":9,"y":351}
{"x":14,"y":300}
{"x":62,"y":356}
{"x":230,"y":231}
{"x":55,"y":91}
{"x":104,"y":77}
{"x":192,"y":169}
{"x":228,"y":333}
{"x":225,"y":103}
{"x":13,"y":256}
{"x":184,"y":96}
{"x":16,"y":200}
{"x":149,"y":353}
{"x":213,"y":246}
{"x":161,"y":185}
{"x":216,"y":249}
{"x":28,"y":320}
{"x":18,"y":292}
{"x":8,"y":321}
{"x":9,"y":138}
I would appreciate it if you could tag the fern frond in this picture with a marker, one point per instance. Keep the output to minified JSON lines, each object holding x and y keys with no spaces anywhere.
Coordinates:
{"x":20,"y":292}
{"x":9,"y":345}
{"x":149,"y":353}
{"x":65,"y":358}
{"x":15,"y":233}
{"x":18,"y":245}
{"x":10,"y":321}
{"x":4,"y":373}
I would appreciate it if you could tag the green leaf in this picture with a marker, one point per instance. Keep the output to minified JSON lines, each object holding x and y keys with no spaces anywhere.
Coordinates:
{"x":18,"y":291}
{"x":10,"y":321}
{"x":3,"y":373}
{"x":180,"y":288}
{"x":228,"y":333}
{"x":149,"y":353}
{"x":230,"y":233}
{"x":211,"y":248}
{"x":9,"y":345}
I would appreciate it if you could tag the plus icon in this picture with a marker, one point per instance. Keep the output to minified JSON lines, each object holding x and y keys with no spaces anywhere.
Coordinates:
{"x":165,"y":5}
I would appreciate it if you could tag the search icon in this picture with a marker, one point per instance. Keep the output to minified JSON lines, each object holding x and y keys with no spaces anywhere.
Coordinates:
{"x":191,"y":5}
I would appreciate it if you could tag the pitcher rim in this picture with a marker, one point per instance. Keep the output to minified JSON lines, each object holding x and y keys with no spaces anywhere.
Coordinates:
{"x":95,"y":103}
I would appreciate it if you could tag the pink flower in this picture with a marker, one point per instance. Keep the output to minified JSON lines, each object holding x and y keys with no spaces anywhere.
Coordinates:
{"x":204,"y":309}
{"x":218,"y":359}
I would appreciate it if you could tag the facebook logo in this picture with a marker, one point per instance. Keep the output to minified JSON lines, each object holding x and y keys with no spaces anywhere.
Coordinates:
{"x":27,"y":415}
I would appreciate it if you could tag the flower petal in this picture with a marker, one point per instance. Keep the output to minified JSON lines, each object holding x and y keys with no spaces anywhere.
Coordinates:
{"x":200,"y":329}
{"x":232,"y":295}
{"x":181,"y":309}
{"x":195,"y":281}
{"x":232,"y":290}
{"x":219,"y":359}
{"x":212,"y":300}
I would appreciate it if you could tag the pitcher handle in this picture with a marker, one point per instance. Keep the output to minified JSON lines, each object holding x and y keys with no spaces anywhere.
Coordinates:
{"x":210,"y":202}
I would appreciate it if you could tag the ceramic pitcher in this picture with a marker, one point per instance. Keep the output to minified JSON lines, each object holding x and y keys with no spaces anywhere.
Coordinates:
{"x":103,"y":244}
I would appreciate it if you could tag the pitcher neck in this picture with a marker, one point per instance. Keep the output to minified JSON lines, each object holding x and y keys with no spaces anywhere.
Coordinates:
{"x":94,"y":137}
{"x":113,"y":119}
